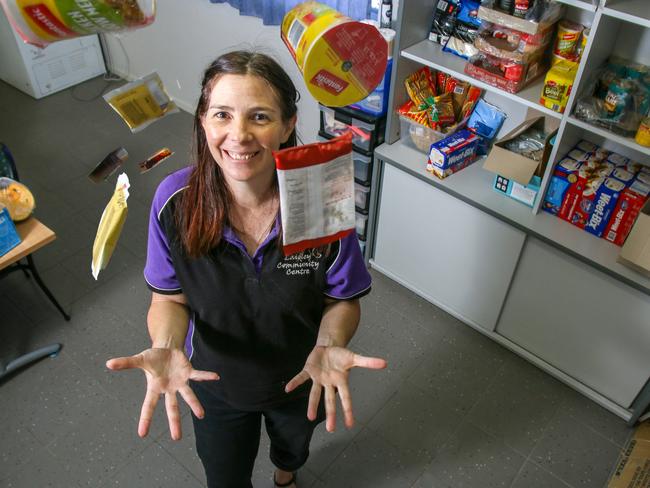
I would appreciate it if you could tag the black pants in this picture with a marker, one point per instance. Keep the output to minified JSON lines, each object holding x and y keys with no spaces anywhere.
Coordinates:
{"x":227,"y":439}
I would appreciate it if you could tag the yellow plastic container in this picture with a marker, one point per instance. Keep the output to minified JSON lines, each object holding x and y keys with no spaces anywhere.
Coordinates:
{"x":643,"y":133}
{"x":342,"y":61}
{"x":557,"y":85}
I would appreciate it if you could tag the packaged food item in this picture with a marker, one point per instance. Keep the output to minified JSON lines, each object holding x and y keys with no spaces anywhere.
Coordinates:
{"x":40,"y":22}
{"x":580,"y":48}
{"x":465,"y":30}
{"x":155,"y":159}
{"x":537,"y":15}
{"x":557,"y":86}
{"x":486,"y":121}
{"x":17,"y":198}
{"x":141,"y":102}
{"x":110,"y":226}
{"x":341,"y":60}
{"x":643,"y":132}
{"x":108,"y":165}
{"x":627,"y":210}
{"x":421,"y":87}
{"x":452,"y":153}
{"x":444,"y":20}
{"x":568,"y":35}
{"x":9,"y":237}
{"x":315,"y":218}
{"x":441,"y":113}
{"x":508,"y":75}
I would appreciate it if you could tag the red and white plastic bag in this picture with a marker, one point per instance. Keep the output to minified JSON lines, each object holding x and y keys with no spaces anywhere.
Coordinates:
{"x":316,"y":183}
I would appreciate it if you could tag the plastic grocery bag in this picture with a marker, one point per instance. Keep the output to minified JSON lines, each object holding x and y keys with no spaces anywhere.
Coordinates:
{"x":316,"y":183}
{"x":110,"y":225}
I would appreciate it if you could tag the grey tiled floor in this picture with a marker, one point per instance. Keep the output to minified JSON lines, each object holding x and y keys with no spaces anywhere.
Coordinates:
{"x":453,"y":409}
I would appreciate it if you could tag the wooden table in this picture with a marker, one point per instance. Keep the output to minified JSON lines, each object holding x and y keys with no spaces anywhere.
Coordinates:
{"x":34,"y":235}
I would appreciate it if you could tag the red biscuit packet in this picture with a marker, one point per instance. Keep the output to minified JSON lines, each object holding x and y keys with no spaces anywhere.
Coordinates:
{"x":316,"y":183}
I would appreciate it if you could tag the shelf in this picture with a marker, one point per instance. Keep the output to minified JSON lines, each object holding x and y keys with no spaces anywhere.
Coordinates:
{"x":582,"y":4}
{"x":431,"y":54}
{"x":623,"y":141}
{"x":635,"y":11}
{"x":473,"y":185}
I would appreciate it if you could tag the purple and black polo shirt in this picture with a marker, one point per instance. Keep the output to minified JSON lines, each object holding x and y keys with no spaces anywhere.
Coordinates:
{"x":254,"y":320}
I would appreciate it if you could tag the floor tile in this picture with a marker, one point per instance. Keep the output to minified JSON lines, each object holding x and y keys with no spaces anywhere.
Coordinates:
{"x":153,"y":467}
{"x":41,"y":470}
{"x":458,"y":369}
{"x":532,"y":476}
{"x":575,"y":453}
{"x":518,"y":405}
{"x":413,"y":422}
{"x":371,"y":461}
{"x":472,"y":459}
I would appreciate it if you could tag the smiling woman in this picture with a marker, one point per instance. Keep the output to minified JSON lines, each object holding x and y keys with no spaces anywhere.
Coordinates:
{"x":271,"y":329}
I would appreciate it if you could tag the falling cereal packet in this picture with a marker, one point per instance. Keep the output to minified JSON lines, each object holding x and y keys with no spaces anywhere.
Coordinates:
{"x":141,"y":102}
{"x":110,"y":225}
{"x":316,"y":183}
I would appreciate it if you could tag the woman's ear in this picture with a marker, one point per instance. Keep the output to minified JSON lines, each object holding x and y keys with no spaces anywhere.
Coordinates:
{"x":291,"y":125}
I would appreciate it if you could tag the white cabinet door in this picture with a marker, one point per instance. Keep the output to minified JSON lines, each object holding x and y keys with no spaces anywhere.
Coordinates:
{"x":579,"y":320}
{"x":447,"y":251}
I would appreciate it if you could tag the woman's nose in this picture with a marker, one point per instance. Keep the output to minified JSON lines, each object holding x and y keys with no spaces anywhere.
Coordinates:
{"x":240,"y":130}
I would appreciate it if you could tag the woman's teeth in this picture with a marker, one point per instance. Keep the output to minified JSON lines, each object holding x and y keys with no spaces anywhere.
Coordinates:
{"x":241,"y":156}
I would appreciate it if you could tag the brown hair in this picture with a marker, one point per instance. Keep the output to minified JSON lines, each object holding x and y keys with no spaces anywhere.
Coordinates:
{"x":204,"y":205}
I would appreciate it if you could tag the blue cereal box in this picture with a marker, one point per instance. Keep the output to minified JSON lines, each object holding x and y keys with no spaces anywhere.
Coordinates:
{"x":452,"y":153}
{"x":9,"y":238}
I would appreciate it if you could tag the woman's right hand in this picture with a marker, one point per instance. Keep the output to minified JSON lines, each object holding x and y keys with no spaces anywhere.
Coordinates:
{"x":168,"y":371}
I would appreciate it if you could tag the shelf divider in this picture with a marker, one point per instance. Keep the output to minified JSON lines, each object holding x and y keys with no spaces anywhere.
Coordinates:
{"x":635,"y":11}
{"x":623,"y":141}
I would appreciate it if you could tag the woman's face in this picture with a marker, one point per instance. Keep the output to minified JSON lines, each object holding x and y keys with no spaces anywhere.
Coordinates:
{"x":243,"y":125}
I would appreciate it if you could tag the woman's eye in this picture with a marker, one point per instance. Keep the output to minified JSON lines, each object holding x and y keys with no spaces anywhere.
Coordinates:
{"x":220,"y":115}
{"x":259,"y":117}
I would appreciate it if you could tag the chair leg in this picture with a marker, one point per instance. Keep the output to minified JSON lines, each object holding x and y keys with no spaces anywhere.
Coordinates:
{"x":45,"y":289}
{"x":30,"y":357}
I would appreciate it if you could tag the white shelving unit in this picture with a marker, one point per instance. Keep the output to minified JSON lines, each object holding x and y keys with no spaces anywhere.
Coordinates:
{"x":634,"y":11}
{"x":618,"y":27}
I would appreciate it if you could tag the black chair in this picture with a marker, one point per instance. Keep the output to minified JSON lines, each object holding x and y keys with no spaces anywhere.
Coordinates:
{"x":8,"y":169}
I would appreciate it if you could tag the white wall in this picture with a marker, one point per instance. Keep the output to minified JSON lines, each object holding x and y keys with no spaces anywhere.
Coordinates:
{"x":187,"y":36}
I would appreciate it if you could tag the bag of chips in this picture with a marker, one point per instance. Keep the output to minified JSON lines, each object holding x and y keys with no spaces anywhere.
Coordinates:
{"x":316,"y":183}
{"x":110,"y":226}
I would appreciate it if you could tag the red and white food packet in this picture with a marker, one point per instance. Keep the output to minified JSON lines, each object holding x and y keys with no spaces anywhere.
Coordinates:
{"x":316,"y":183}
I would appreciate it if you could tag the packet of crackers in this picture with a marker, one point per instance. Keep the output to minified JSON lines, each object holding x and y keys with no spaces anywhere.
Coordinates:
{"x":316,"y":183}
{"x":110,"y":226}
{"x":141,"y":102}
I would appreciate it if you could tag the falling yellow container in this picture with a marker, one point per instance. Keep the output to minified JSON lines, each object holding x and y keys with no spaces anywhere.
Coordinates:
{"x":341,"y":60}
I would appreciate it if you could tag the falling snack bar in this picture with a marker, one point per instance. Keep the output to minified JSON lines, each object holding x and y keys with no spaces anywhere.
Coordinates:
{"x":154,"y":160}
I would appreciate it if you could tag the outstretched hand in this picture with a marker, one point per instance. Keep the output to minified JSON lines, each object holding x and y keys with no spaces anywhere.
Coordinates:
{"x":329,"y":368}
{"x":168,"y":371}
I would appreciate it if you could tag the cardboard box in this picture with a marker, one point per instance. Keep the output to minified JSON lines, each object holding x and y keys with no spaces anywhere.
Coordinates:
{"x":517,"y":170}
{"x":633,"y":467}
{"x":626,"y":212}
{"x":635,"y":253}
{"x":452,"y":153}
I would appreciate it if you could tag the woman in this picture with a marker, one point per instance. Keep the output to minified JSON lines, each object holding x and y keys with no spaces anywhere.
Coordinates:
{"x":214,"y":261}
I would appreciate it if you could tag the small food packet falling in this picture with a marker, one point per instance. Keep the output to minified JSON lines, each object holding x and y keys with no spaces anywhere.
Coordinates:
{"x":316,"y":183}
{"x":141,"y":102}
{"x":110,"y":225}
{"x":155,"y":159}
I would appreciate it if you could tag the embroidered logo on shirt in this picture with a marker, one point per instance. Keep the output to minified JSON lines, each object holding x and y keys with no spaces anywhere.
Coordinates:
{"x":301,"y":263}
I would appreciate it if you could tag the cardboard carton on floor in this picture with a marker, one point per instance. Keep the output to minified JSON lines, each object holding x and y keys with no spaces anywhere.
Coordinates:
{"x":518,"y":176}
{"x":633,"y":468}
{"x":635,"y":253}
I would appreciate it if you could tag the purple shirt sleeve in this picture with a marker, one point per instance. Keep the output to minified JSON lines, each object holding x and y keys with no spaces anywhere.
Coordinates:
{"x":348,"y":277}
{"x":159,"y":270}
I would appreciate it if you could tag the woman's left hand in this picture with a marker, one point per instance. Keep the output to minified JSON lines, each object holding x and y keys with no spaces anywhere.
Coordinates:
{"x":329,"y":368}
